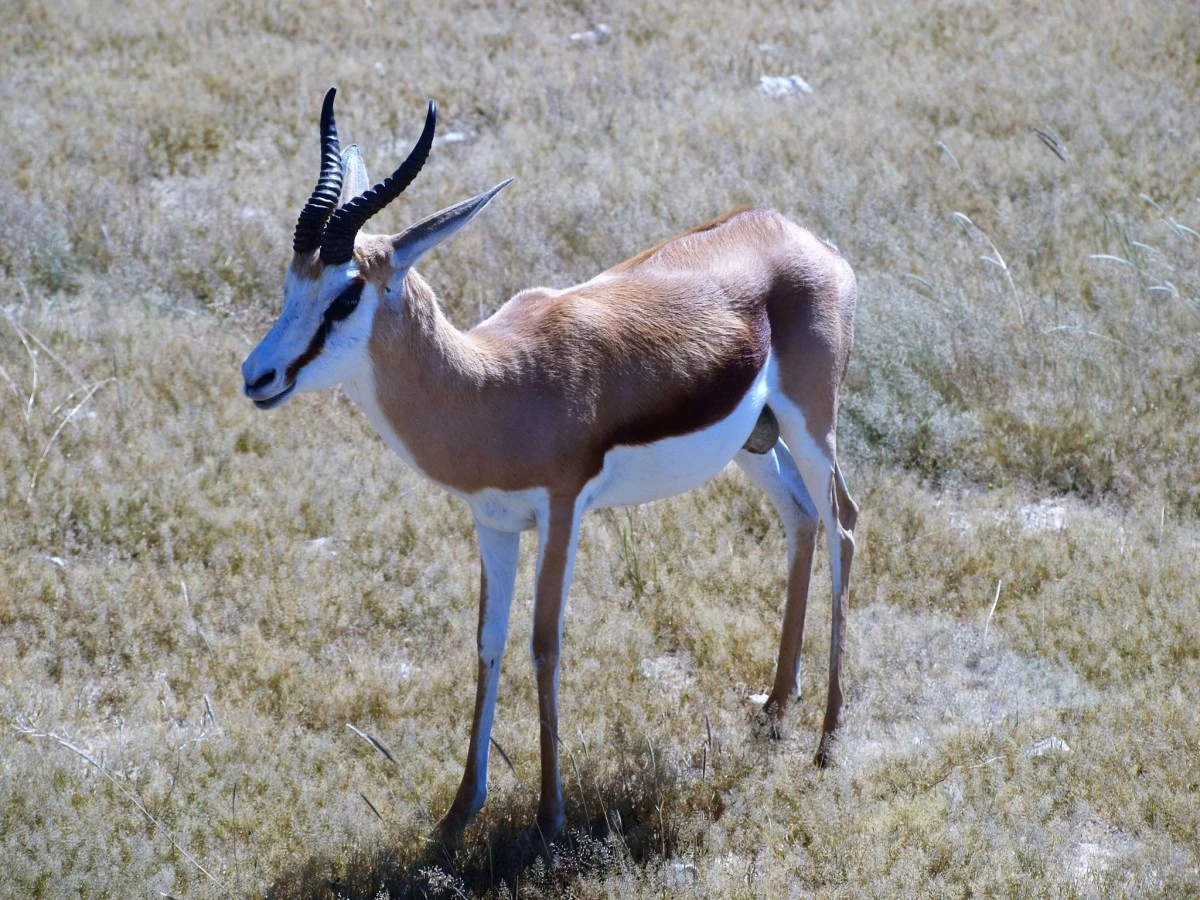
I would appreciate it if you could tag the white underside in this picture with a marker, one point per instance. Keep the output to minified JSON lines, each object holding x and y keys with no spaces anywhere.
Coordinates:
{"x":639,"y":474}
{"x":630,"y":474}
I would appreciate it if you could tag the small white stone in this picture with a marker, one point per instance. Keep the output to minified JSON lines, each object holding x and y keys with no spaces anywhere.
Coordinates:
{"x":322,"y":546}
{"x":600,"y":34}
{"x":1052,"y":744}
{"x":757,"y":699}
{"x":1043,"y":516}
{"x":783,"y":85}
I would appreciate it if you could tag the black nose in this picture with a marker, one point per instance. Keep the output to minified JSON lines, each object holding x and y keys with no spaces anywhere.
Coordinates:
{"x":262,"y":382}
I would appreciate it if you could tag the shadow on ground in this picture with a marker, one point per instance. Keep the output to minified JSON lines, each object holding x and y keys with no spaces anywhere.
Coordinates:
{"x":621,"y":827}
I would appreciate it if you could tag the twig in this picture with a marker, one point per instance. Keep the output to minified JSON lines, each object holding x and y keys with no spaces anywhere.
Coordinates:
{"x":374,"y":742}
{"x":995,"y":259}
{"x":941,"y":146}
{"x":87,"y":757}
{"x":27,"y":404}
{"x":50,"y":443}
{"x":382,"y":748}
{"x":1052,"y":141}
{"x":961,"y":768}
{"x":1111,"y":258}
{"x":371,"y":806}
{"x":587,"y":817}
{"x":991,"y":612}
{"x":504,"y":756}
{"x":33,"y":337}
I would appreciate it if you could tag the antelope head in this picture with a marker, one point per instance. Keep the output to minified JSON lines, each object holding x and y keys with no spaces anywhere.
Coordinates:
{"x":339,"y":277}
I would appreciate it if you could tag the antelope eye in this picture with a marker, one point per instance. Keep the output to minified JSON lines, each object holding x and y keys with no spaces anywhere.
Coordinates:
{"x":344,"y":303}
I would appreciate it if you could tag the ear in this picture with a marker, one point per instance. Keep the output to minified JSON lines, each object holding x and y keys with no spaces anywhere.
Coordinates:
{"x":354,"y":175}
{"x":414,"y":242}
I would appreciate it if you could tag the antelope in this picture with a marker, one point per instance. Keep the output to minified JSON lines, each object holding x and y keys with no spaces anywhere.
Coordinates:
{"x":726,"y":343}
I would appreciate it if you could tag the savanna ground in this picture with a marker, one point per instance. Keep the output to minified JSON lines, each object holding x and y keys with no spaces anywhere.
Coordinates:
{"x":197,"y":600}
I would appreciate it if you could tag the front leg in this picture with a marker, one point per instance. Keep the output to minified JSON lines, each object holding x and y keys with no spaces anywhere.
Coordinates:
{"x":498,"y":551}
{"x":558,"y":537}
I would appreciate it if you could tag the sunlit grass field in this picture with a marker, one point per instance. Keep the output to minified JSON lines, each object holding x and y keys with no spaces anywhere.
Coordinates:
{"x":237,"y":649}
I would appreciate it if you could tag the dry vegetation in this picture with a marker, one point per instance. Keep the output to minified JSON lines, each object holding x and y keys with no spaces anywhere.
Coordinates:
{"x":195,"y":599}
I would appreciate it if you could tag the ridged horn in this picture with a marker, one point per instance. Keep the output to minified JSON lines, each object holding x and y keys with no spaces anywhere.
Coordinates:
{"x":337,"y":244}
{"x":323,"y":202}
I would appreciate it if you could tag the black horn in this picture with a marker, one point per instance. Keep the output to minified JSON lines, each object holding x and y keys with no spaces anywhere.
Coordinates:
{"x":323,"y":202}
{"x":337,"y":244}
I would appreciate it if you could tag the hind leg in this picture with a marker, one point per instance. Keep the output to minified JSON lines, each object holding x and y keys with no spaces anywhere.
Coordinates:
{"x":775,"y":473}
{"x":816,"y":460}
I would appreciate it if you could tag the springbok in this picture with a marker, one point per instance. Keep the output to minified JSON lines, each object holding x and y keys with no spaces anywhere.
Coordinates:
{"x":729,"y":342}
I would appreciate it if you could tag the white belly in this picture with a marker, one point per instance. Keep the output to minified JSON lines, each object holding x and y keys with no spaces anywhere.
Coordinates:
{"x":630,"y":474}
{"x":639,"y":474}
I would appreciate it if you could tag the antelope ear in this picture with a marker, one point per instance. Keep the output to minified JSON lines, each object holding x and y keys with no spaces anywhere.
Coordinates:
{"x":414,"y":242}
{"x":354,"y":175}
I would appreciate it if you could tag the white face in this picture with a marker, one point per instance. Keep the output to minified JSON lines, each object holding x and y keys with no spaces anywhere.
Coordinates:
{"x":322,"y":334}
{"x":320,"y":339}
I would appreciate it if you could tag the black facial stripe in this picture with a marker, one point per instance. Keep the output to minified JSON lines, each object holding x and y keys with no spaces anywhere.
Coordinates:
{"x":315,"y":346}
{"x":345,"y":302}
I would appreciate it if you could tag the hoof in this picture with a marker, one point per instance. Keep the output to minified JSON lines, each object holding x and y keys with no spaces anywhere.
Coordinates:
{"x":824,"y":755}
{"x":545,"y":834}
{"x":769,"y":720}
{"x":448,"y":833}
{"x":448,"y":842}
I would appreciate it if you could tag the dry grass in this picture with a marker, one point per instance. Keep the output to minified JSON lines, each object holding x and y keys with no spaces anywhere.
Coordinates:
{"x":198,"y":598}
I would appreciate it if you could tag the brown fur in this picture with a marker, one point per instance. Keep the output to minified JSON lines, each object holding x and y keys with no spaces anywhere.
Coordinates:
{"x":373,"y":254}
{"x":699,"y":229}
{"x":661,"y":345}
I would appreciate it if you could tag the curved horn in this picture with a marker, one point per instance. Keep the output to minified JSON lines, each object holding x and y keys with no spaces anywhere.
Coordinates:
{"x":323,"y":202}
{"x":337,"y":245}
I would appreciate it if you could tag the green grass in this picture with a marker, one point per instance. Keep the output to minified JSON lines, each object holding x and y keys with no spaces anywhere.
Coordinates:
{"x":198,"y":598}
